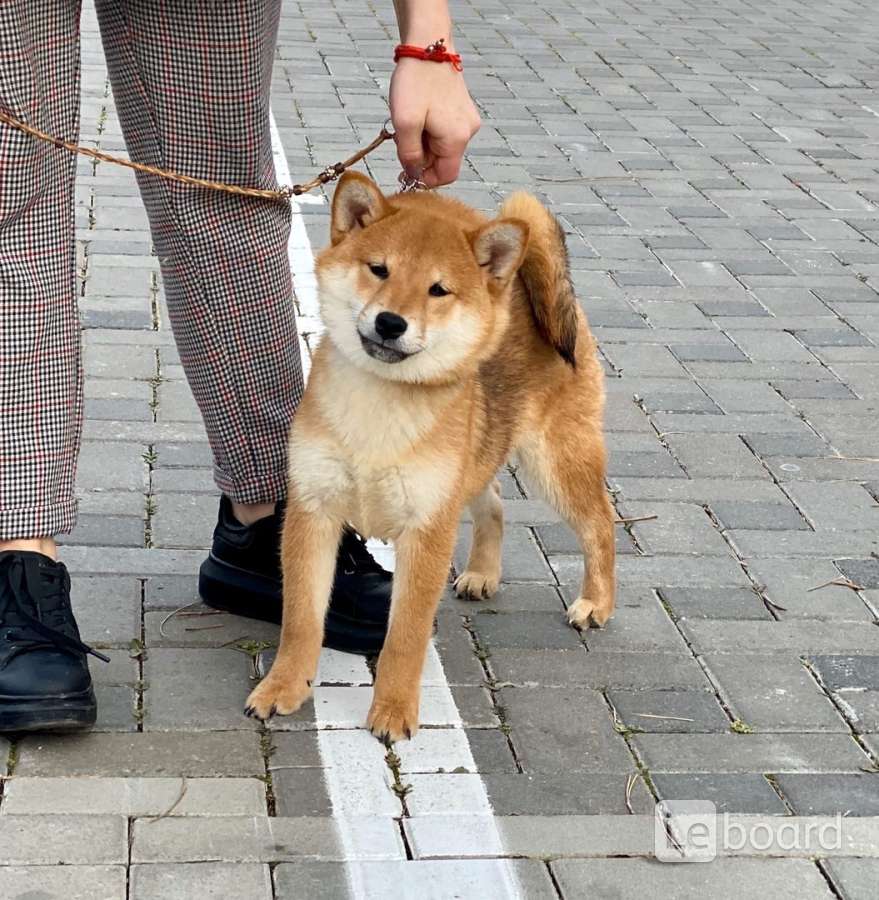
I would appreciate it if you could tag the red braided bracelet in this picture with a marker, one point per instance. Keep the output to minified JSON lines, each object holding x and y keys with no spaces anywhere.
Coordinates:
{"x":435,"y":52}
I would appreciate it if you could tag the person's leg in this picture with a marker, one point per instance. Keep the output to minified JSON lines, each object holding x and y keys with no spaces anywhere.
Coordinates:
{"x":40,"y":371}
{"x":45,"y":682}
{"x":191,"y":84}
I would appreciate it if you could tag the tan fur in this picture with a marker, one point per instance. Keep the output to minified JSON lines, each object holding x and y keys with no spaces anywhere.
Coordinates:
{"x":504,"y":364}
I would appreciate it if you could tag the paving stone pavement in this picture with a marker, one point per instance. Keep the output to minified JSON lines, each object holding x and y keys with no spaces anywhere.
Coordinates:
{"x":716,"y":169}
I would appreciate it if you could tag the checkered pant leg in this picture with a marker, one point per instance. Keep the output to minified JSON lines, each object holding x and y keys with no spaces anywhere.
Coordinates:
{"x":40,"y":371}
{"x":191,"y":83}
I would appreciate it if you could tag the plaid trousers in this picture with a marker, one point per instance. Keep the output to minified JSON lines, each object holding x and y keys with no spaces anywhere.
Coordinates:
{"x":191,"y":83}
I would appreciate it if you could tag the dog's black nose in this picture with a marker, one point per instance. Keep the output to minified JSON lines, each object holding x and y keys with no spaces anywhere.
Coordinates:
{"x":389,"y":325}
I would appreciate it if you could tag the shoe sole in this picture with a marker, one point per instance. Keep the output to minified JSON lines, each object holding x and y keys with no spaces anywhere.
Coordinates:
{"x":57,"y":714}
{"x":230,"y":589}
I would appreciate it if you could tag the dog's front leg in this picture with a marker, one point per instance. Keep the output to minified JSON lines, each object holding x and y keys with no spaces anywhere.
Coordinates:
{"x":309,"y":545}
{"x":422,"y":571}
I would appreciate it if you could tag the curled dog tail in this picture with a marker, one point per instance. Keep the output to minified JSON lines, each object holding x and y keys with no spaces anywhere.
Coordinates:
{"x":546,"y":276}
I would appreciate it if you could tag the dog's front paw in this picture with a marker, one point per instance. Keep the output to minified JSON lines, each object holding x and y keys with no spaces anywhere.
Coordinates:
{"x":277,"y":696}
{"x":393,"y":720}
{"x":476,"y":586}
{"x":584,"y":612}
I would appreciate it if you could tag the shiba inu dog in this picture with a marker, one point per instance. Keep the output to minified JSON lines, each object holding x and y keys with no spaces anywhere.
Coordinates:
{"x":452,"y":342}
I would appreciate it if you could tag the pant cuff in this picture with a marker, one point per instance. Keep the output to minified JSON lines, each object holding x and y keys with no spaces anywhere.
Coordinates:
{"x":268,"y":488}
{"x":29,"y":522}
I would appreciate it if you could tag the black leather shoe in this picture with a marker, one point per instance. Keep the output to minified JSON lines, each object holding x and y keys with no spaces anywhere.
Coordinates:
{"x":45,"y":683}
{"x":242,"y":575}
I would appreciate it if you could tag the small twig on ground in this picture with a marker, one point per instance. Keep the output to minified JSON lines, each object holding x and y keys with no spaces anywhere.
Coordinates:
{"x":575,"y":178}
{"x":205,"y":627}
{"x":174,"y":613}
{"x":772,"y":606}
{"x":183,"y":788}
{"x":839,"y":582}
{"x":631,"y":781}
{"x":670,"y":718}
{"x":628,"y":520}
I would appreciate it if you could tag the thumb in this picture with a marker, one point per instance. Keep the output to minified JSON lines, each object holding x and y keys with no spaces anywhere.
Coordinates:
{"x":410,"y":149}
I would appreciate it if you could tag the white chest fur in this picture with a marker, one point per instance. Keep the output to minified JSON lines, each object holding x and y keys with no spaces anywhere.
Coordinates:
{"x":369,"y":459}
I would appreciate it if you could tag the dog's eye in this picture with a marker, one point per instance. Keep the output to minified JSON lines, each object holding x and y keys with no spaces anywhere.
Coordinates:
{"x":379,"y":270}
{"x":437,"y":290}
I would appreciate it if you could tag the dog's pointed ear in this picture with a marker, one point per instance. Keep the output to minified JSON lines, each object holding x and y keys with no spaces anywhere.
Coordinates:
{"x":500,"y":247}
{"x":357,"y":203}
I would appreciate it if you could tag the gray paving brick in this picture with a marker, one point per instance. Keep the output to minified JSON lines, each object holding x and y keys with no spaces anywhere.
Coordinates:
{"x":860,"y":708}
{"x":141,"y":755}
{"x":714,"y":456}
{"x":201,"y":626}
{"x":169,"y":592}
{"x":747,"y":794}
{"x":564,"y":794}
{"x":792,"y":584}
{"x":669,"y":711}
{"x":101,"y":796}
{"x":801,"y":637}
{"x":300,"y":792}
{"x":525,"y":630}
{"x":864,"y":572}
{"x":474,"y":706}
{"x":724,"y":879}
{"x":548,"y":739}
{"x":840,"y":672}
{"x":63,"y":882}
{"x":829,"y":795}
{"x":796,"y":445}
{"x":773,"y":693}
{"x":740,"y":753}
{"x":599,"y":669}
{"x":716,"y":603}
{"x":835,"y":506}
{"x":684,"y":528}
{"x":217,"y":880}
{"x":639,"y":623}
{"x":854,"y":879}
{"x":491,"y":751}
{"x":107,"y":608}
{"x":196,"y":690}
{"x":51,"y":840}
{"x":717,"y":352}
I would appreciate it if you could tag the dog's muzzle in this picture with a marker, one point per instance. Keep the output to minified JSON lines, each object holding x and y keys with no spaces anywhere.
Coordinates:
{"x":385,"y":351}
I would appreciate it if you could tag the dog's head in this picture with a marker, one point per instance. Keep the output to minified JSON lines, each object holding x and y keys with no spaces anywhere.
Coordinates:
{"x":415,"y":287}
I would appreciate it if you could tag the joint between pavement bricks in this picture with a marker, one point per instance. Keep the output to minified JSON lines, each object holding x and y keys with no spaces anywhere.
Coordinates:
{"x":756,"y":586}
{"x":625,"y":732}
{"x":759,"y":589}
{"x":715,"y":687}
{"x":825,"y":874}
{"x":491,"y":683}
{"x":843,"y":712}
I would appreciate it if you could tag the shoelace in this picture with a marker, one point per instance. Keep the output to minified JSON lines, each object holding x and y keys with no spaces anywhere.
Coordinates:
{"x":20,"y":578}
{"x":354,"y":554}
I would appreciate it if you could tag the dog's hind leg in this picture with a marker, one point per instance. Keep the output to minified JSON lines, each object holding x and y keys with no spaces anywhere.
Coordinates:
{"x":569,"y":471}
{"x":481,"y":577}
{"x":309,"y":544}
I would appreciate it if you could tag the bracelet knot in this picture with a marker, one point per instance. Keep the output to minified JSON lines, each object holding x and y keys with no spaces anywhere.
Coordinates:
{"x":435,"y":52}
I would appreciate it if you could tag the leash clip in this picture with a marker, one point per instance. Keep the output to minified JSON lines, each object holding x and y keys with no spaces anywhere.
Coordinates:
{"x":409,"y":183}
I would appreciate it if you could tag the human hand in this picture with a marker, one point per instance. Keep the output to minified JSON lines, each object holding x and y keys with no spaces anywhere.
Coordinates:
{"x":434,"y":119}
